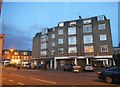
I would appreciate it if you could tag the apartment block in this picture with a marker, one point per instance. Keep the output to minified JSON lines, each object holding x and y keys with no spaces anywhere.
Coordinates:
{"x":80,"y":42}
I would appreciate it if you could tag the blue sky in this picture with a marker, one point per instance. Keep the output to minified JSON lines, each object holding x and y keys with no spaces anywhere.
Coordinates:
{"x":22,"y":20}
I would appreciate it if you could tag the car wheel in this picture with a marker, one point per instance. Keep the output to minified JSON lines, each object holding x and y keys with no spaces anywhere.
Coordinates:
{"x":108,"y":79}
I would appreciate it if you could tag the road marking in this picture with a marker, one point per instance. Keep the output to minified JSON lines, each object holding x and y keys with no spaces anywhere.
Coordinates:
{"x":4,"y":78}
{"x":19,"y":75}
{"x":20,"y":83}
{"x":16,"y":75}
{"x":43,"y":80}
{"x":11,"y":80}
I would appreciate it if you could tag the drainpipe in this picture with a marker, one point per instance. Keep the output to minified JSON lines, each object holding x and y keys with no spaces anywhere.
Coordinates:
{"x":87,"y":61}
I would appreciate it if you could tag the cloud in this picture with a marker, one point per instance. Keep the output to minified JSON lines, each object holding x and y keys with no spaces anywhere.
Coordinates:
{"x":16,"y":38}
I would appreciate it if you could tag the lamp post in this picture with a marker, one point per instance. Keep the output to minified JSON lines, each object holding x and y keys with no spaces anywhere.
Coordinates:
{"x":11,"y":51}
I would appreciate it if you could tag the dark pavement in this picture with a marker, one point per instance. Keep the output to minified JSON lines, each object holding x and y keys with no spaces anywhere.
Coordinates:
{"x":12,"y":76}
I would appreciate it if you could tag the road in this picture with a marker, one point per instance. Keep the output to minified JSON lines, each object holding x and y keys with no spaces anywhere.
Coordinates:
{"x":12,"y":76}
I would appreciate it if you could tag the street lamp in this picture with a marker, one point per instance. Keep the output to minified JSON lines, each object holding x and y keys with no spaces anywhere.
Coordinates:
{"x":11,"y":50}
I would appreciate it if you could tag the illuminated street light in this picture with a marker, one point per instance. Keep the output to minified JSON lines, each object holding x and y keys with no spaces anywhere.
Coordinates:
{"x":11,"y":49}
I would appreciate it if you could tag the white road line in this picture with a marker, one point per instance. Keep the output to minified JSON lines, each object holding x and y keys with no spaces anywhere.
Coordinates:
{"x":11,"y":80}
{"x":43,"y":80}
{"x":20,"y":83}
{"x":4,"y":78}
{"x":16,"y":75}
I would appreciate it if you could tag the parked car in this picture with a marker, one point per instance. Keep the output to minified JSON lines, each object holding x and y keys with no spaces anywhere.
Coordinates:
{"x":76,"y":68}
{"x":68,"y":67}
{"x":110,"y":75}
{"x":42,"y":66}
{"x":89,"y":67}
{"x":27,"y":66}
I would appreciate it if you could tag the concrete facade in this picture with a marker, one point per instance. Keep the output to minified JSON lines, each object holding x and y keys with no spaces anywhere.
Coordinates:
{"x":80,"y":42}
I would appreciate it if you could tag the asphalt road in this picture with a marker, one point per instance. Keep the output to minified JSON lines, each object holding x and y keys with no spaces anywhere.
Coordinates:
{"x":12,"y":76}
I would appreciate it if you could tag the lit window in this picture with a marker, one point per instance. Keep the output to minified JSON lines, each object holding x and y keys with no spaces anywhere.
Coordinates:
{"x":61,"y":24}
{"x":71,"y":30}
{"x":87,"y":28}
{"x":52,"y":52}
{"x":43,"y":53}
{"x":100,"y":18}
{"x":60,"y":41}
{"x":88,"y":49}
{"x":87,"y":21}
{"x":88,"y":39}
{"x":15,"y":53}
{"x":53,"y":44}
{"x":43,"y":46}
{"x":103,"y":37}
{"x":104,"y":48}
{"x":25,"y":53}
{"x":101,"y":26}
{"x":60,"y":32}
{"x":71,"y":40}
{"x":72,"y":50}
{"x":6,"y":52}
{"x":60,"y":50}
{"x":53,"y":36}
{"x":44,"y":38}
{"x":72,"y":23}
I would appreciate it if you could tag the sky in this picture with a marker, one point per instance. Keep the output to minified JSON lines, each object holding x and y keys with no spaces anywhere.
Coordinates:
{"x":22,"y":20}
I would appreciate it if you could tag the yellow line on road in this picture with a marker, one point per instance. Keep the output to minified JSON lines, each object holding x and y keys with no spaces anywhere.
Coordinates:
{"x":43,"y":80}
{"x":20,"y":83}
{"x":11,"y":80}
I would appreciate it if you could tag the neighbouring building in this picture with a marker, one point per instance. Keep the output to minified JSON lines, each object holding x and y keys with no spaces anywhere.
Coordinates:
{"x":80,"y":42}
{"x":116,"y":56}
{"x":16,"y":56}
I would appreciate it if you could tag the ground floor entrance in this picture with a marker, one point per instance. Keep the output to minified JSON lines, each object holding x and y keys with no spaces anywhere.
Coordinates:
{"x":59,"y":62}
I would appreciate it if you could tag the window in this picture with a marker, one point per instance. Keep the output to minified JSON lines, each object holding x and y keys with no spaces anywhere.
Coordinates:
{"x":43,"y":53}
{"x":52,"y":52}
{"x":71,"y":30}
{"x":103,"y":37}
{"x":53,"y":36}
{"x":88,"y":49}
{"x":15,"y":53}
{"x":60,"y":41}
{"x":101,"y":26}
{"x":60,"y":32}
{"x":71,"y":40}
{"x":87,"y":21}
{"x":44,"y":38}
{"x":100,"y":18}
{"x":61,"y":24}
{"x":25,"y":53}
{"x":53,"y":44}
{"x":60,"y":50}
{"x":104,"y":48}
{"x":72,"y":23}
{"x":44,"y":31}
{"x":43,"y":46}
{"x":87,"y":28}
{"x":88,"y":39}
{"x":72,"y":50}
{"x":6,"y":52}
{"x":53,"y":29}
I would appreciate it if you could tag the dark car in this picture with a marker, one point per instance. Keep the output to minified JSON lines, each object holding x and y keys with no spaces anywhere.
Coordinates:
{"x":42,"y":66}
{"x":68,"y":67}
{"x":110,"y":75}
